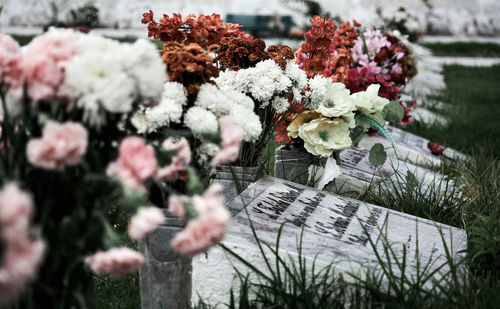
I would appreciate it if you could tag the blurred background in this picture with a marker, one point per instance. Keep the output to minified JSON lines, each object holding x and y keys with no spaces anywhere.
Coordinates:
{"x":276,"y":18}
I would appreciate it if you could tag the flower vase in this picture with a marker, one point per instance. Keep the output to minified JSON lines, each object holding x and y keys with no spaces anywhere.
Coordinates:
{"x":165,"y":277}
{"x":293,"y":165}
{"x":235,"y":179}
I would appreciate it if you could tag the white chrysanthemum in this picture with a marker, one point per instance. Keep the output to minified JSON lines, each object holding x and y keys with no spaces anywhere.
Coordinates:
{"x":200,"y":120}
{"x":65,"y":34}
{"x":296,"y":74}
{"x":240,"y":99}
{"x":269,"y":68}
{"x":142,"y":61}
{"x":150,"y":119}
{"x":282,"y":83}
{"x":213,"y":99}
{"x":97,"y":82}
{"x":141,"y":122}
{"x":317,"y":90}
{"x":244,"y":79}
{"x":226,"y":79}
{"x":297,"y":94}
{"x":262,"y":89}
{"x":280,"y":104}
{"x":164,"y":113}
{"x":337,"y":102}
{"x":95,"y":43}
{"x":368,"y":101}
{"x":174,"y":91}
{"x":248,"y":120}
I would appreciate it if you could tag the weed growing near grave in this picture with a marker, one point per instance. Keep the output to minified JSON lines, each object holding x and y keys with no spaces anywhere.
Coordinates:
{"x":297,"y":282}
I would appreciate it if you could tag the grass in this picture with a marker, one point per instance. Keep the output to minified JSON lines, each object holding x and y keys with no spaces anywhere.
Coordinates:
{"x":464,"y":49}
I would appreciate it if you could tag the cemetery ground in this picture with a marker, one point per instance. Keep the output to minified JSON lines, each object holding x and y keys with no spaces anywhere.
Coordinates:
{"x":473,"y":110}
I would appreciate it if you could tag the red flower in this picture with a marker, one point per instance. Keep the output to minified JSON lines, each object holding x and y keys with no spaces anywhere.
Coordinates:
{"x":435,"y":148}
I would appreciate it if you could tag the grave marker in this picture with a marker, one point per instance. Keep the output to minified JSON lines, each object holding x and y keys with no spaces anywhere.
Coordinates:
{"x":332,"y":230}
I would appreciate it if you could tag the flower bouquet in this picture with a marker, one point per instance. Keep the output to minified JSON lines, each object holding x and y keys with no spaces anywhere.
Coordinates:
{"x":75,"y":175}
{"x":269,"y":78}
{"x":343,"y":100}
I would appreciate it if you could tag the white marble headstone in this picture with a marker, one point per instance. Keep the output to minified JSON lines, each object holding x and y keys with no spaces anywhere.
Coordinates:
{"x":334,"y":228}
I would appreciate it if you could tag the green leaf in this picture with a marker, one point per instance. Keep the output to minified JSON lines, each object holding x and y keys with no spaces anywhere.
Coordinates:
{"x":393,"y":112}
{"x":194,"y":184}
{"x":411,"y":181}
{"x":377,"y":155}
{"x":357,"y":134}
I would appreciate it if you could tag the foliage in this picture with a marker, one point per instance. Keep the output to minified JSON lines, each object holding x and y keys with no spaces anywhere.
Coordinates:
{"x":377,"y":155}
{"x":84,"y":16}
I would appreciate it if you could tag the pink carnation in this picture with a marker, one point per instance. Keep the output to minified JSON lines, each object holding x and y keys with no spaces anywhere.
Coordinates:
{"x":179,"y":162}
{"x":9,"y":50}
{"x":42,"y":75}
{"x":23,"y":251}
{"x":15,"y":212}
{"x":136,"y":163}
{"x":208,"y":228}
{"x":20,"y":263}
{"x":61,"y":145}
{"x":145,"y":221}
{"x":181,"y":146}
{"x":56,"y":48}
{"x":232,"y":136}
{"x":176,"y":206}
{"x":117,"y":261}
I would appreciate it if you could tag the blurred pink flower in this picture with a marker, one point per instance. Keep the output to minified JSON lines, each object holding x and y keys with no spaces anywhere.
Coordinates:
{"x":176,"y":206}
{"x":56,"y":48}
{"x":40,"y":66}
{"x":181,"y":146}
{"x":136,"y":163}
{"x":117,"y":261}
{"x":15,"y":212}
{"x":42,"y":75}
{"x":146,"y":220}
{"x":208,"y":228}
{"x":21,"y":260}
{"x":61,"y":145}
{"x":22,"y":251}
{"x":179,"y":162}
{"x":9,"y":50}
{"x":232,"y":136}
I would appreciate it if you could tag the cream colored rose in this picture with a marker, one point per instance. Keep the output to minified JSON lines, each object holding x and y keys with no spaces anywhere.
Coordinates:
{"x":322,"y":136}
{"x":304,"y":117}
{"x":368,"y":101}
{"x":337,"y":102}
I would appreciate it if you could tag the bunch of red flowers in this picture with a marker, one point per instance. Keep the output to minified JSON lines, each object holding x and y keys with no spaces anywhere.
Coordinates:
{"x":204,"y":30}
{"x":327,"y":50}
{"x":188,"y":64}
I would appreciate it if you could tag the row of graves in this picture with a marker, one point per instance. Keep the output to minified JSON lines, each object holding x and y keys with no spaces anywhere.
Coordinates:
{"x":328,"y":225}
{"x":120,"y":131}
{"x":308,"y":210}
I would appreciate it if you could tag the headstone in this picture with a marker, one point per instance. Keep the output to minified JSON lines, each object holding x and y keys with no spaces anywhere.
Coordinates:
{"x":427,"y":116}
{"x":357,"y":158}
{"x":401,"y":151}
{"x":334,"y":228}
{"x":165,"y":278}
{"x":419,"y":144}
